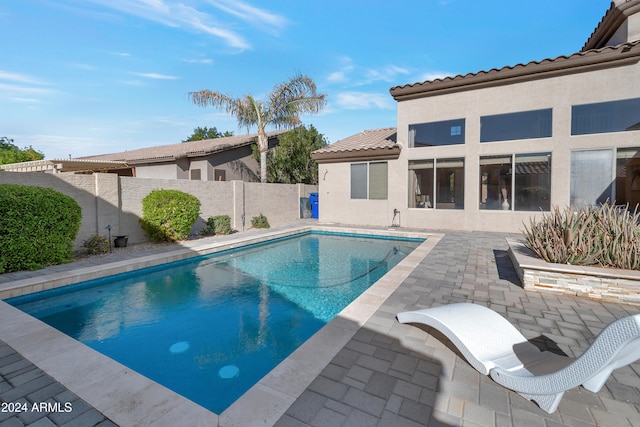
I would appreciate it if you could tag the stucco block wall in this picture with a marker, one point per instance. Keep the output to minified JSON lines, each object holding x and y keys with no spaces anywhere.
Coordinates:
{"x":273,"y":201}
{"x":107,"y":199}
{"x":215,"y":199}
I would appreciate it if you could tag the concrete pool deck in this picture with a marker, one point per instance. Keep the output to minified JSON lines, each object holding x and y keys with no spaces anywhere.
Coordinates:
{"x":363,"y":368}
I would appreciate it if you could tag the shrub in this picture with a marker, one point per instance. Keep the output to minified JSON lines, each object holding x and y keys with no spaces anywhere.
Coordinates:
{"x":260,"y":221}
{"x":604,"y":235}
{"x":96,"y":245}
{"x":168,"y":215}
{"x":219,"y":224}
{"x":38,"y":227}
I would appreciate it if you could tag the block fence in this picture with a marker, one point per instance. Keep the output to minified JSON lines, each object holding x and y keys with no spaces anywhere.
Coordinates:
{"x":109,"y":199}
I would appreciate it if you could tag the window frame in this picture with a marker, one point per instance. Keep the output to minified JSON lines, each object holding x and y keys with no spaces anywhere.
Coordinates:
{"x":439,"y":133}
{"x":576,"y":198}
{"x":536,"y":127}
{"x":509,"y":192}
{"x":605,"y":120}
{"x":429,"y":197}
{"x":376,"y":182}
{"x":195,"y":174}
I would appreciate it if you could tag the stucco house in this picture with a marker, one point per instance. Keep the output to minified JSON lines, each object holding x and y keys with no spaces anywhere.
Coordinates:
{"x":489,"y":150}
{"x":220,"y":159}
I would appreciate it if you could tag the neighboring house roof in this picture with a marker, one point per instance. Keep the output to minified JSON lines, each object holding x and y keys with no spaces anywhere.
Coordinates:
{"x":376,"y":144}
{"x":606,"y":57}
{"x":69,"y":165}
{"x":172,"y":152}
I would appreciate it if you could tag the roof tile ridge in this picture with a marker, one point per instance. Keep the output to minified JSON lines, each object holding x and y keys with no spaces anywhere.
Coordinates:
{"x":605,"y":17}
{"x":522,"y":64}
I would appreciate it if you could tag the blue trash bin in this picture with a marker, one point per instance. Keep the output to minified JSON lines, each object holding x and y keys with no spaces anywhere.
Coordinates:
{"x":313,"y":199}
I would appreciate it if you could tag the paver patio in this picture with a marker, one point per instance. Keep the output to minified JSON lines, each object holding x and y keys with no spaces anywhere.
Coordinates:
{"x":390,"y":374}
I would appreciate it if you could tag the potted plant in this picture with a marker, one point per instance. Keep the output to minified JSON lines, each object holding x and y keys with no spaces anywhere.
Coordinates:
{"x":120,"y":241}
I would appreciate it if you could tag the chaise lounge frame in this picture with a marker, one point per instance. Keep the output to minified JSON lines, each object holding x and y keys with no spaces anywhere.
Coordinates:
{"x":491,"y":344}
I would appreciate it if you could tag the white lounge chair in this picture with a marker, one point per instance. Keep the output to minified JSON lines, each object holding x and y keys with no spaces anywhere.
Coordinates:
{"x":494,"y":347}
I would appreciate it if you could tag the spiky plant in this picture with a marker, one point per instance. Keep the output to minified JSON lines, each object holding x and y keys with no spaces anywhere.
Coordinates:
{"x":604,"y":235}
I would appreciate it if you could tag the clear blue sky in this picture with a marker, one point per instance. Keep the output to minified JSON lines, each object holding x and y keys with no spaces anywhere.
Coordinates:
{"x":83,"y":77}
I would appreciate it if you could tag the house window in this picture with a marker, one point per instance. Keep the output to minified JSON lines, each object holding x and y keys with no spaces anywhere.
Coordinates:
{"x":596,"y":178}
{"x":421,"y":180}
{"x":614,"y":116}
{"x":532,"y":182}
{"x":591,"y":177}
{"x":528,"y":189}
{"x":447,"y":132}
{"x":495,"y":182}
{"x":369,"y":180}
{"x":436,"y":183}
{"x":219,"y":175}
{"x":195,"y":174}
{"x":450,"y":184}
{"x":627,"y":186}
{"x":512,"y":126}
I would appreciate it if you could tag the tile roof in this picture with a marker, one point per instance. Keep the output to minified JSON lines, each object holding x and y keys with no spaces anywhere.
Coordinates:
{"x":613,"y":19}
{"x":365,"y":140}
{"x":609,"y":56}
{"x":185,"y":149}
{"x":65,"y":165}
{"x":368,"y":144}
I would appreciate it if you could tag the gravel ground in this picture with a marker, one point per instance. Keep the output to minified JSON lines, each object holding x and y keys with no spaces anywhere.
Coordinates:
{"x":78,"y":255}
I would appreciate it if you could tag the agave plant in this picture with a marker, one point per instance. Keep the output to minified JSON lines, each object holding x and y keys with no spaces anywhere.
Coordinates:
{"x":604,"y":235}
{"x":620,"y":237}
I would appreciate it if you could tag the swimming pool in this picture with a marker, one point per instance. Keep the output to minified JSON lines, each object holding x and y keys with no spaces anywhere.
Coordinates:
{"x":210,"y":327}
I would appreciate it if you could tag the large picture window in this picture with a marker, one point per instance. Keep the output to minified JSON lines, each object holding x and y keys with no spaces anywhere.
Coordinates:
{"x":447,"y":132}
{"x":614,"y":116}
{"x":495,"y":182}
{"x":512,"y":126}
{"x":591,"y":177}
{"x":421,"y":183}
{"x":596,"y":178}
{"x":528,"y":189}
{"x":532,"y":191}
{"x":436,"y":183}
{"x":628,"y":177}
{"x":369,"y":181}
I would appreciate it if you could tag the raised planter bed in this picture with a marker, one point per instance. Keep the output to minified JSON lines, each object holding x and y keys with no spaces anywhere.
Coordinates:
{"x":604,"y":284}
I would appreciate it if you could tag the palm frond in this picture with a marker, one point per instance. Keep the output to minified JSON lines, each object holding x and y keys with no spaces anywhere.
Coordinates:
{"x":286,"y":102}
{"x":249,"y":112}
{"x":293,"y":98}
{"x":205,"y":98}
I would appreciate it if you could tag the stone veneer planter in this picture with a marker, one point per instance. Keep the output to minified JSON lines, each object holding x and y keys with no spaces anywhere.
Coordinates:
{"x":604,"y":284}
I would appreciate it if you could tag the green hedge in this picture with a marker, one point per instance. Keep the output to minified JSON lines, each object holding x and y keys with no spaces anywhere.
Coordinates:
{"x":37,"y":227}
{"x":168,"y":215}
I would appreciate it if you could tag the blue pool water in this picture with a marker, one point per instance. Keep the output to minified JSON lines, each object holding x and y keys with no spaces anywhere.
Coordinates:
{"x":210,"y":327}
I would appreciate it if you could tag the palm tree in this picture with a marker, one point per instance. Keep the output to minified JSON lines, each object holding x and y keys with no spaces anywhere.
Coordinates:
{"x":284,"y":105}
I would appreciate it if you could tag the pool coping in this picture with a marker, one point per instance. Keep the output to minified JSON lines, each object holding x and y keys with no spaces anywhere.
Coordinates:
{"x":129,"y":398}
